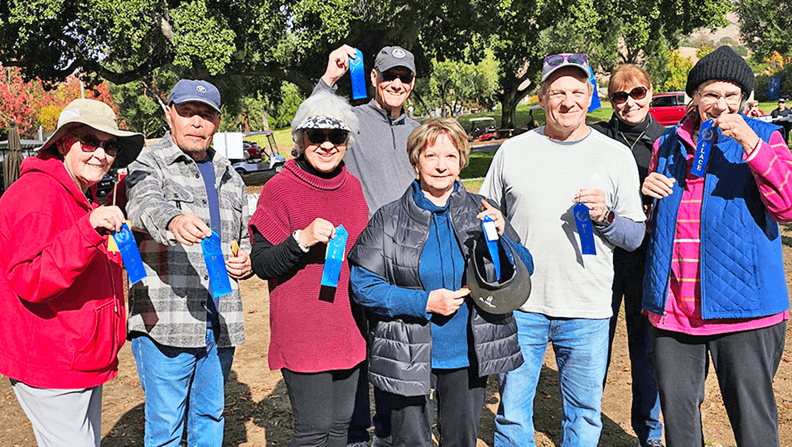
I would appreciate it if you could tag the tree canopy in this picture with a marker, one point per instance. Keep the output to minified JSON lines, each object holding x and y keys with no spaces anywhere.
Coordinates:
{"x":764,"y":26}
{"x":252,"y":47}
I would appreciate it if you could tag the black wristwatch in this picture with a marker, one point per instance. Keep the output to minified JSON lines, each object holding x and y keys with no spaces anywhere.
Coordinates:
{"x":607,"y":220}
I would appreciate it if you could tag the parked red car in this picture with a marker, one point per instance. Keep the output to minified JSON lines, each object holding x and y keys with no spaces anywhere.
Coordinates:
{"x":668,"y":108}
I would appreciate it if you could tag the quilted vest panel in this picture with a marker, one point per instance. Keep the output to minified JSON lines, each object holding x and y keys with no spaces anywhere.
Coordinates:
{"x":742,"y":272}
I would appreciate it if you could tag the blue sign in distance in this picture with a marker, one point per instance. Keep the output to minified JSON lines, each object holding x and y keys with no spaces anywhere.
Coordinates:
{"x":585,"y":228}
{"x":130,"y":254}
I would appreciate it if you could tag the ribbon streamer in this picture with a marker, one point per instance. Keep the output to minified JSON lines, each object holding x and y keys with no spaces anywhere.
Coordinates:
{"x":703,"y":147}
{"x":130,"y":254}
{"x":585,"y":228}
{"x":491,"y":235}
{"x":358,"y":74}
{"x":219,"y":283}
{"x":332,"y":266}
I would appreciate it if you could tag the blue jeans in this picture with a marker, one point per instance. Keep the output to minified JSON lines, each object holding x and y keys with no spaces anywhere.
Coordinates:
{"x":581,"y":349}
{"x":181,"y":382}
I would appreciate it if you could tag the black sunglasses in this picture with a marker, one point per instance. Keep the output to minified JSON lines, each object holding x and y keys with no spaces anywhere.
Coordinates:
{"x":389,"y":76}
{"x":636,"y":93}
{"x":319,"y":136}
{"x":90,"y":144}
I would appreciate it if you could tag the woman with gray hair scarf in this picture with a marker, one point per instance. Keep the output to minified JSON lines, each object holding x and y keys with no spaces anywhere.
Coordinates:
{"x":315,"y":340}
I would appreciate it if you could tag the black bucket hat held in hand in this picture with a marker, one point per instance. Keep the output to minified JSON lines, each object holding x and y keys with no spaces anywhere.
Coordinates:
{"x":722,"y":64}
{"x":488,"y":293}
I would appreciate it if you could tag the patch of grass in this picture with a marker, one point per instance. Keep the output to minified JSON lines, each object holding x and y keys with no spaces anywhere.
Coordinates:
{"x":282,"y":138}
{"x":478,"y":165}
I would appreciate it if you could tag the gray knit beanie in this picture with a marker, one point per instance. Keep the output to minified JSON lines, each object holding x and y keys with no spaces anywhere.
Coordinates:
{"x":722,"y":64}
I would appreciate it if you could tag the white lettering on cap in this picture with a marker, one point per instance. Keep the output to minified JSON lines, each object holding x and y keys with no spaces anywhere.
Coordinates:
{"x":398,"y":53}
{"x":200,"y":88}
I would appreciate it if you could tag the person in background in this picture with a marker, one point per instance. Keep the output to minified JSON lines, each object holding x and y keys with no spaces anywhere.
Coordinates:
{"x":537,"y":178}
{"x":630,"y":93}
{"x":753,"y":109}
{"x":714,"y":285}
{"x":315,"y":340}
{"x":378,"y":159}
{"x":61,"y":287}
{"x":407,"y":272}
{"x":783,"y":112}
{"x":181,"y":191}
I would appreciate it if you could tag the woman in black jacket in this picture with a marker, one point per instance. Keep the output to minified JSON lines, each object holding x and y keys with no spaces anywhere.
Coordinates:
{"x":407,"y":271}
{"x":630,"y":93}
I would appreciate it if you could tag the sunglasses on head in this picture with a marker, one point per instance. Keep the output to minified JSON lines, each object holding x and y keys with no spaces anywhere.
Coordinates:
{"x":319,"y":136}
{"x":389,"y":76}
{"x":636,"y":93}
{"x":90,"y":144}
{"x":557,"y":59}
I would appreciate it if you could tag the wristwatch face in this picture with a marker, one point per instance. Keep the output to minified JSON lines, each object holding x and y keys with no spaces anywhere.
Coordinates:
{"x":609,"y":217}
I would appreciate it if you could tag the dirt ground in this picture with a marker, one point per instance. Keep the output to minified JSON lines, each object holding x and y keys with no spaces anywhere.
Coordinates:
{"x":258,"y":412}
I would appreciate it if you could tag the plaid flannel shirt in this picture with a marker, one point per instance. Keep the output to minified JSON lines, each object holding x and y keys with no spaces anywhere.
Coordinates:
{"x":170,"y":303}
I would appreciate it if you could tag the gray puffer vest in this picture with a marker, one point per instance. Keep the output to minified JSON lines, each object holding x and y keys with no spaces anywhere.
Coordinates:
{"x":400,"y":357}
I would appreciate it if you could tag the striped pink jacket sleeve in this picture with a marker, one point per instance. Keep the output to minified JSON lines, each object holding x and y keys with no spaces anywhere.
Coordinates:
{"x":771,"y":165}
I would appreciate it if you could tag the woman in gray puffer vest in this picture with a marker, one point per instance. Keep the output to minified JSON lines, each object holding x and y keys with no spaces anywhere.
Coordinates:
{"x":407,"y":271}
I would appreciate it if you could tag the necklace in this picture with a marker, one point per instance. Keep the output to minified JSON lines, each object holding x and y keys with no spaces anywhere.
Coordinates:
{"x":634,"y":142}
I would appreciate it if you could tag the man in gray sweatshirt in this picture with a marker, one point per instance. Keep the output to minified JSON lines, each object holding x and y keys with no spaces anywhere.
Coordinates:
{"x":379,"y":156}
{"x":379,"y":160}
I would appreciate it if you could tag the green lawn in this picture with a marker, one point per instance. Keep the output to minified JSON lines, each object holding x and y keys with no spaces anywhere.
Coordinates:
{"x":479,"y":162}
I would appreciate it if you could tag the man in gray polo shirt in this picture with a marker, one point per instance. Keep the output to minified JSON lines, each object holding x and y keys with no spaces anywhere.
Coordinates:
{"x":379,"y":157}
{"x":538,"y":178}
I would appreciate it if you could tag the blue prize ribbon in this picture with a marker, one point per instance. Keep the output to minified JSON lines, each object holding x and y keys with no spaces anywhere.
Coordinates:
{"x":358,"y":74}
{"x":491,"y":235}
{"x":332,"y":266}
{"x":705,"y":140}
{"x":585,"y":228}
{"x":130,"y":254}
{"x":219,"y":282}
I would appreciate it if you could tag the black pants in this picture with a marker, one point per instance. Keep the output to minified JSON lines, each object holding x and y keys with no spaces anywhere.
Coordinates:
{"x":628,"y":270}
{"x":745,"y":364}
{"x":458,"y":395}
{"x":322,"y":404}
{"x":361,"y":417}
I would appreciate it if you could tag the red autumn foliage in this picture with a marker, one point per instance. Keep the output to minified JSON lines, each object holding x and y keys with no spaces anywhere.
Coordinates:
{"x":29,"y":104}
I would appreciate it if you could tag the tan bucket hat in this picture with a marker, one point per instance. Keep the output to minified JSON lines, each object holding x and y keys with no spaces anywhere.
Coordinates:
{"x":99,"y":116}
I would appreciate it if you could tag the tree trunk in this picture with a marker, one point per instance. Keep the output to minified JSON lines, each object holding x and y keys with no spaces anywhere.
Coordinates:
{"x":508,"y":108}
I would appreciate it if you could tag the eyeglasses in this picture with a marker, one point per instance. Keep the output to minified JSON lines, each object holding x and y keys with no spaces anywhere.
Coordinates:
{"x":557,"y":59}
{"x":712,"y":97}
{"x":90,"y":144}
{"x":389,"y":76}
{"x":637,"y":93}
{"x":319,"y":136}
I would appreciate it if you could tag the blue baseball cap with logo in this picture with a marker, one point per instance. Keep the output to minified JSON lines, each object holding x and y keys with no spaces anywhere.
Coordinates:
{"x":188,"y":90}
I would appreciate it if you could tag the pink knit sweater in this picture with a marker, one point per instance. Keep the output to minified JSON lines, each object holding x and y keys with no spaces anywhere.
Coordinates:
{"x":307,"y":334}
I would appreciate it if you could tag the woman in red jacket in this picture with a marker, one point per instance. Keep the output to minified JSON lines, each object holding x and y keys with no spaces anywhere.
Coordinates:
{"x":61,"y":290}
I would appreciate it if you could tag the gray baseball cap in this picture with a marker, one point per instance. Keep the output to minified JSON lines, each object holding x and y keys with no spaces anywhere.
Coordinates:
{"x":389,"y":57}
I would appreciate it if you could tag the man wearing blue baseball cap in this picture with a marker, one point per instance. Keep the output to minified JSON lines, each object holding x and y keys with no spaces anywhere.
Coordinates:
{"x":180,"y":192}
{"x":572,"y":195}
